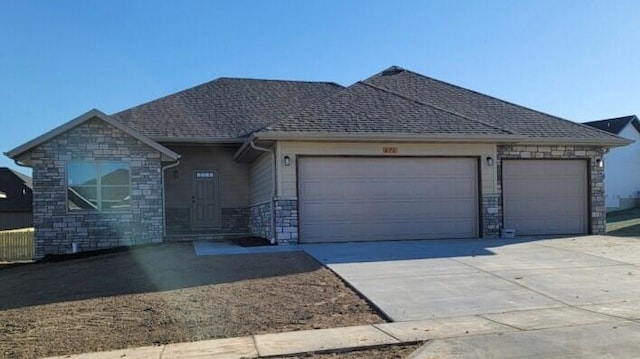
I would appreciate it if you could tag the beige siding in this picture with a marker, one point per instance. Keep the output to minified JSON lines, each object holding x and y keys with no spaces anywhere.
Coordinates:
{"x":261,"y":179}
{"x":287,"y":174}
{"x":234,"y":177}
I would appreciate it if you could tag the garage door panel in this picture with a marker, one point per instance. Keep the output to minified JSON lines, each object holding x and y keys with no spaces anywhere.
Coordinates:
{"x":465,"y":187}
{"x":378,"y":189}
{"x":569,"y":208}
{"x":327,"y":191}
{"x":387,"y":198}
{"x":530,"y":225}
{"x":366,"y":231}
{"x":545,"y":196}
{"x":462,"y":208}
{"x":441,"y":210}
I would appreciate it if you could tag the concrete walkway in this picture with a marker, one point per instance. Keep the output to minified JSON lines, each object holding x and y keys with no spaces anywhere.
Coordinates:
{"x":456,"y":337}
{"x":306,"y":341}
{"x":208,"y":248}
{"x":620,"y":340}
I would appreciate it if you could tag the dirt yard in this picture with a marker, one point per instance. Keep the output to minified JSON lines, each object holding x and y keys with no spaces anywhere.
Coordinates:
{"x":387,"y":352}
{"x":166,"y":294}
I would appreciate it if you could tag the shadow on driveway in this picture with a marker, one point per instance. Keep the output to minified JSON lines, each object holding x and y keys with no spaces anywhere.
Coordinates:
{"x":336,"y":253}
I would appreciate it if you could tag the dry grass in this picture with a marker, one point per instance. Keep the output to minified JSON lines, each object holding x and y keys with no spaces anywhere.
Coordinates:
{"x":624,"y":223}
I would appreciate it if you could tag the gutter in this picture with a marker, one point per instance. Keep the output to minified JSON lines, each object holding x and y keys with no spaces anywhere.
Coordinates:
{"x":614,"y":142}
{"x":18,"y":163}
{"x":164,"y":211}
{"x":273,"y":186}
{"x":198,"y":140}
{"x":434,"y":138}
{"x":386,"y":137}
{"x":245,"y":146}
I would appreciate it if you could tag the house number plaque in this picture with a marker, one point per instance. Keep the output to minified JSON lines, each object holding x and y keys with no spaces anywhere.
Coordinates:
{"x":389,"y":149}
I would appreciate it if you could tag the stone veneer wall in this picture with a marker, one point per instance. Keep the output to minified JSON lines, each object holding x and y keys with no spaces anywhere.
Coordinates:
{"x":260,"y":222}
{"x":491,"y":215}
{"x":94,"y":140}
{"x":591,"y":153}
{"x":232,"y":221}
{"x":286,"y":213}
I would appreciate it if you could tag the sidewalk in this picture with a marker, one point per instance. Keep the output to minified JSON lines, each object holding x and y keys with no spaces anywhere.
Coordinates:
{"x":306,"y":341}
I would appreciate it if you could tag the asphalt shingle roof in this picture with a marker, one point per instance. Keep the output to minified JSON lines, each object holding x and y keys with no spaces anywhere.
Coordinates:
{"x":362,"y":108}
{"x":223,"y":108}
{"x":393,"y":101}
{"x":615,"y":125}
{"x":490,"y":110}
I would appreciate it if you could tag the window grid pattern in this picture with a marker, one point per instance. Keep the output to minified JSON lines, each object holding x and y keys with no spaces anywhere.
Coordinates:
{"x":101,"y":186}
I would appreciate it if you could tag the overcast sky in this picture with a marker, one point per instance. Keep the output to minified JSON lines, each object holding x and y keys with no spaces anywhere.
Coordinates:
{"x":575,"y":59}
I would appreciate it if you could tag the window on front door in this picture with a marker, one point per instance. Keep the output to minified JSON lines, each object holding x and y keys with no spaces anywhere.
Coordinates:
{"x":205,"y":208}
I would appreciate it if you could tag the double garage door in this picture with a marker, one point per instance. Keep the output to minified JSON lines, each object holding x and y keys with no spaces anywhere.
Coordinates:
{"x":380,"y":198}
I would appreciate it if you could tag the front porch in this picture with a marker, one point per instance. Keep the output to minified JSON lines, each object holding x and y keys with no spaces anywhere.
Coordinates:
{"x":208,"y":195}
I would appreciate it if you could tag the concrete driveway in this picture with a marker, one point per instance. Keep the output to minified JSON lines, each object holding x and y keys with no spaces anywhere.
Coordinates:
{"x":585,"y":290}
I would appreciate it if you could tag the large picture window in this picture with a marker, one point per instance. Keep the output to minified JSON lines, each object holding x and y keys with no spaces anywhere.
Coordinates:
{"x":102,"y":186}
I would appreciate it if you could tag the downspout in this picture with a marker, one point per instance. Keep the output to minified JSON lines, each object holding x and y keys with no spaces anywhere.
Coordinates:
{"x":273,"y":189}
{"x":164,"y":211}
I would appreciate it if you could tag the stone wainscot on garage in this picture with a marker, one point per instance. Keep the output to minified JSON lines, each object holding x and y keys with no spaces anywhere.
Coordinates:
{"x":396,"y":156}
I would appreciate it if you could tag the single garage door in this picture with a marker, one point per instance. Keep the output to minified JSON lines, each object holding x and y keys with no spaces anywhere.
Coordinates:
{"x":380,"y":198}
{"x":545,"y":196}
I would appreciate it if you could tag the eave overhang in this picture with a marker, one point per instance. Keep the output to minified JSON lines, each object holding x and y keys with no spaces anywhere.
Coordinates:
{"x":21,"y":153}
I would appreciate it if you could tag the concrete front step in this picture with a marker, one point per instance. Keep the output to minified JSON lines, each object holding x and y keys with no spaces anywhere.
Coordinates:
{"x":203,"y":237}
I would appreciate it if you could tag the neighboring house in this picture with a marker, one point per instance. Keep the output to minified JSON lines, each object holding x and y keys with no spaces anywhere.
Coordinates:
{"x":15,"y":200}
{"x":396,"y":156}
{"x":621,"y":165}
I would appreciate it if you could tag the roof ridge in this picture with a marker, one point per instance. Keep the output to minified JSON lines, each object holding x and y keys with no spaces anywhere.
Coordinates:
{"x":159,"y":99}
{"x":273,"y":80}
{"x":629,"y":117}
{"x":302,"y":110}
{"x":163,"y":97}
{"x":615,"y":125}
{"x":436,"y":107}
{"x":507,"y":102}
